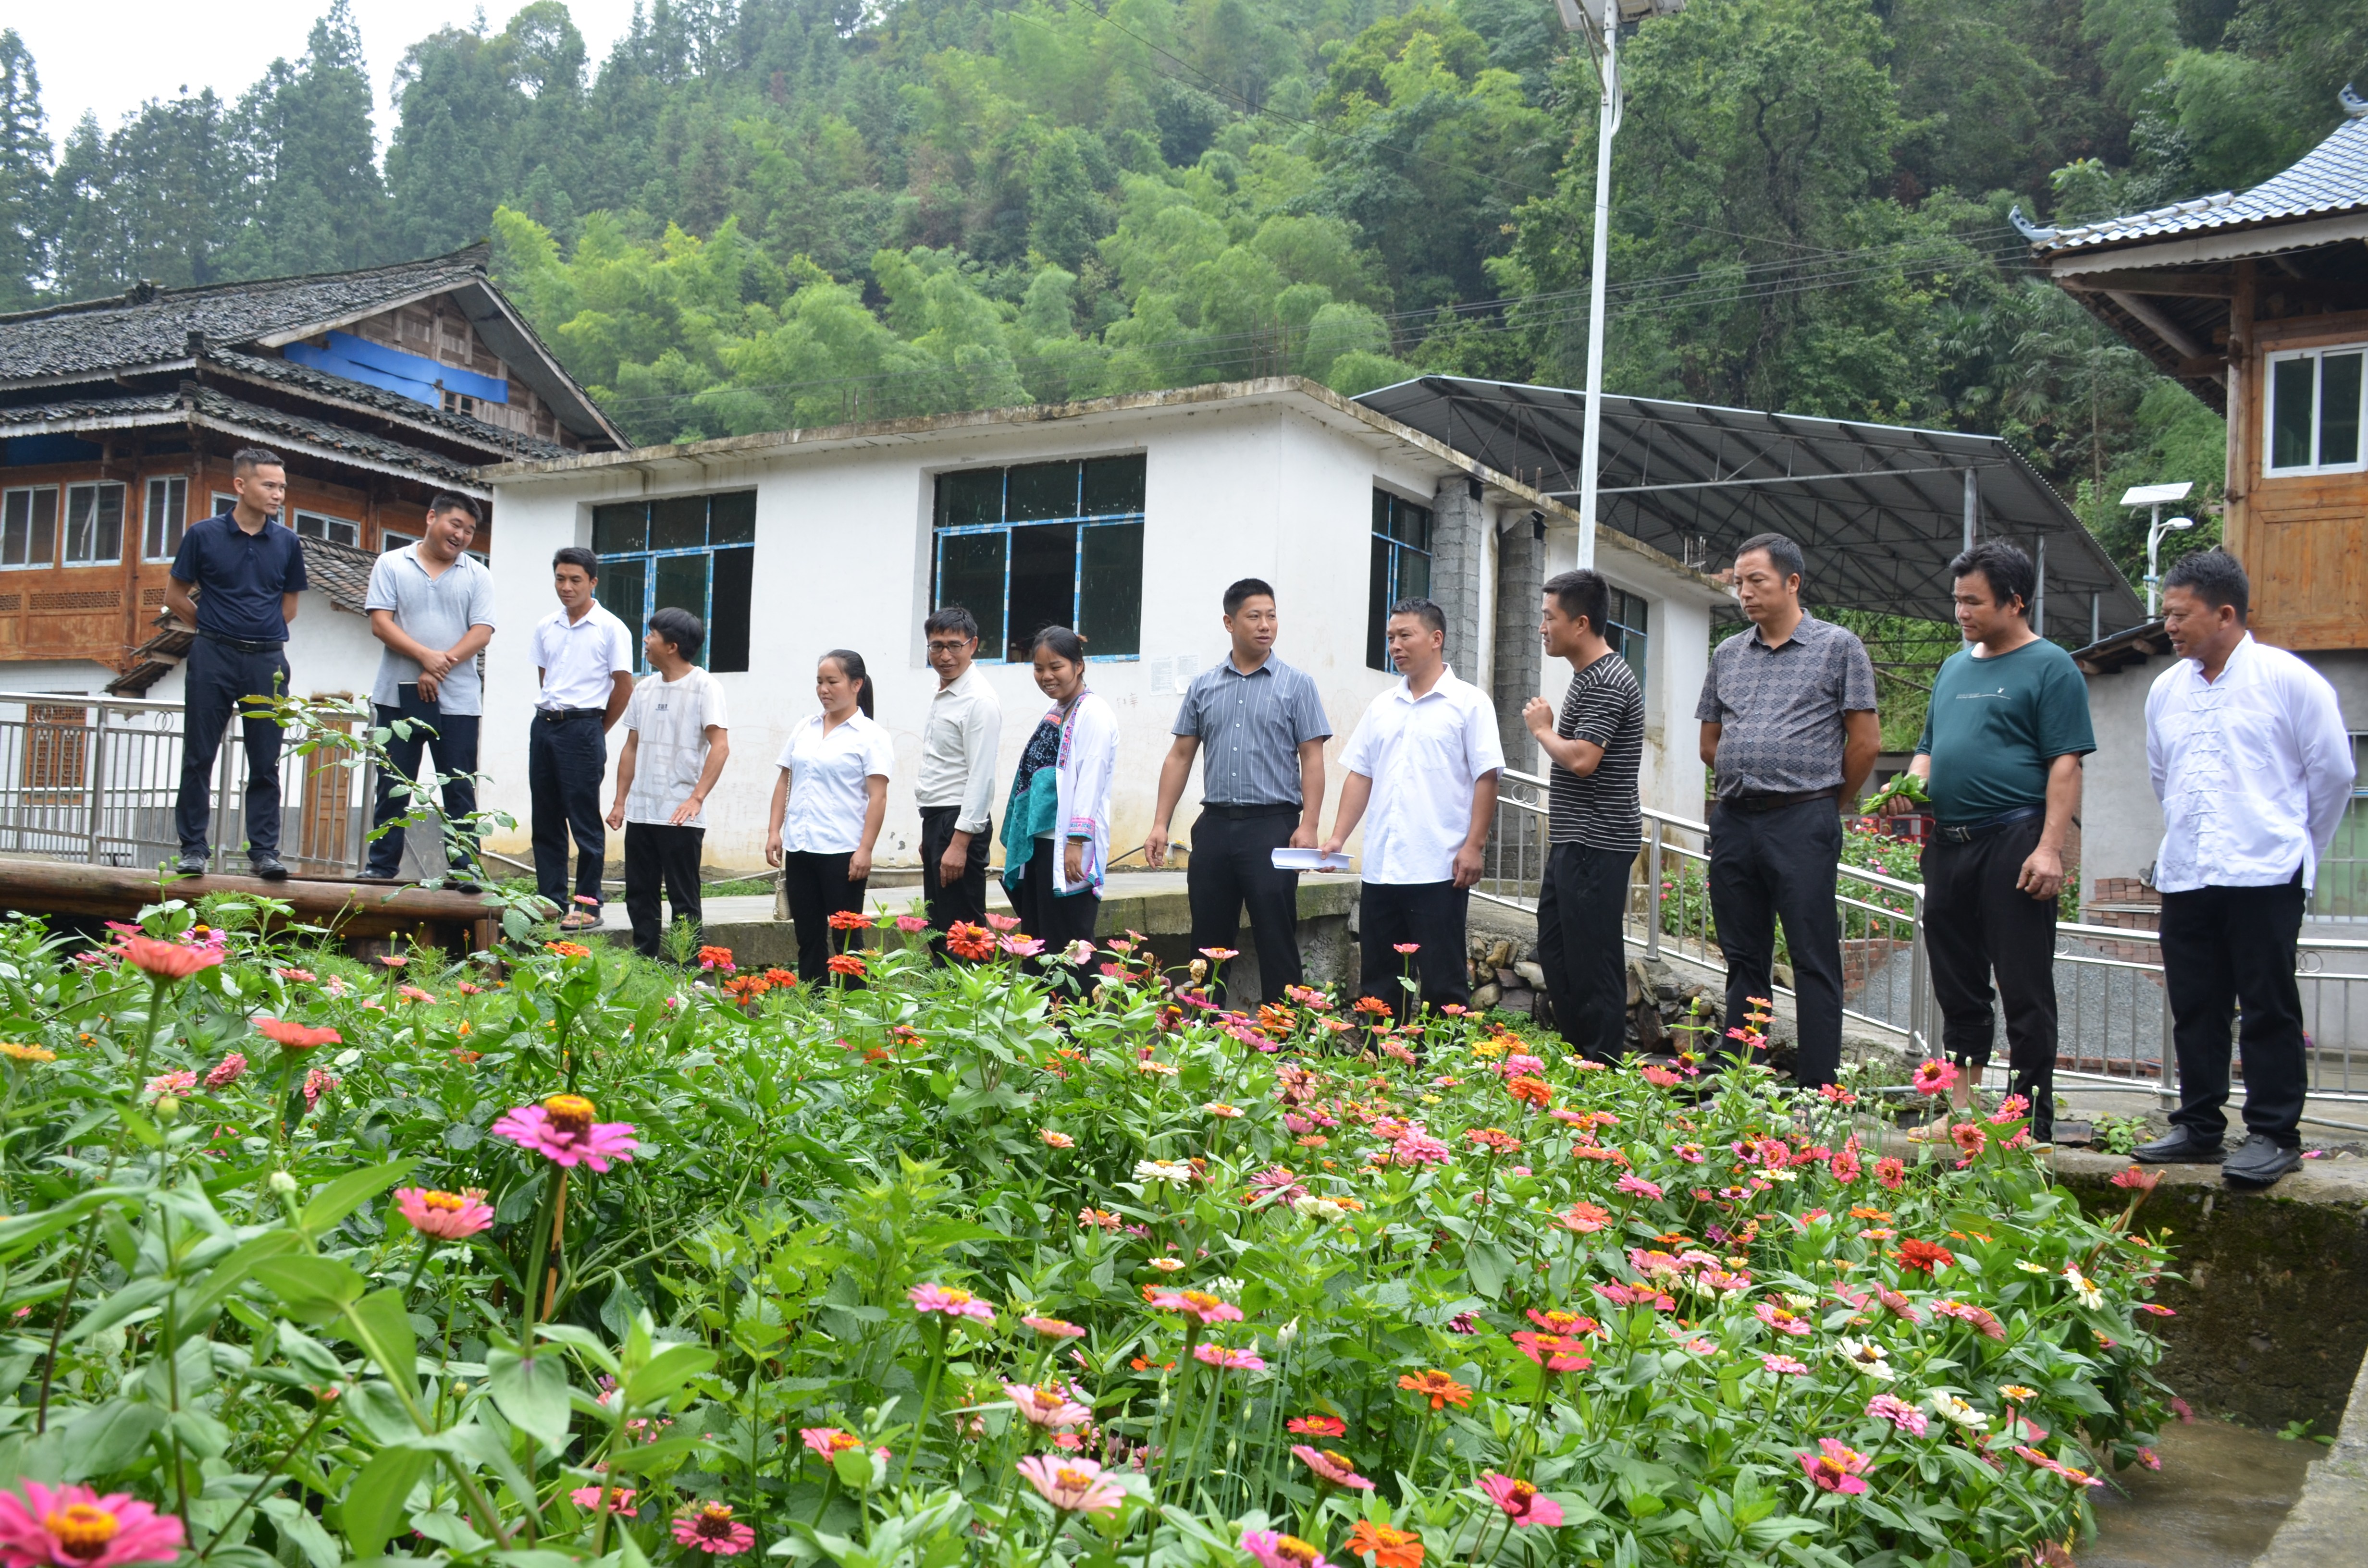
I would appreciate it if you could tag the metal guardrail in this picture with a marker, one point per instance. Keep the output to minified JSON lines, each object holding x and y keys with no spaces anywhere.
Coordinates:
{"x":2113,"y":1014}
{"x":94,"y":780}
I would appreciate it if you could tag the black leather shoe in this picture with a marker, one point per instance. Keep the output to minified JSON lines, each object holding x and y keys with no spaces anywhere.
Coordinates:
{"x":268,"y":865}
{"x":2181,"y":1148}
{"x":194,"y":863}
{"x":376,"y":877}
{"x":2259,"y":1161}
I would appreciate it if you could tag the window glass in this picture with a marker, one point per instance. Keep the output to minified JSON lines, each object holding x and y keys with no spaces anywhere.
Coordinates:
{"x":2290,"y":416}
{"x":679,"y":522}
{"x":1401,"y":568}
{"x":388,"y":539}
{"x":620,"y":589}
{"x":167,"y":519}
{"x":1627,"y":630}
{"x":337,"y":530}
{"x":681,"y":584}
{"x":29,"y":527}
{"x":2338,"y":406}
{"x":93,"y":524}
{"x":2342,"y":883}
{"x":727,"y":614}
{"x":1044,"y":544}
{"x":662,"y":554}
{"x":731,"y":518}
{"x":622,"y":527}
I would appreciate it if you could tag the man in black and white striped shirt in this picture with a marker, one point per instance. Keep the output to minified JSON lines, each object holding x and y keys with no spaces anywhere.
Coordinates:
{"x":1595,"y":822}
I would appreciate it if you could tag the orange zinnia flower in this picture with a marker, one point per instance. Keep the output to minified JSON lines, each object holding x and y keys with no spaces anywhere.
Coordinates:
{"x":1536,"y":1091}
{"x":1439,"y":1388}
{"x":1388,"y":1547}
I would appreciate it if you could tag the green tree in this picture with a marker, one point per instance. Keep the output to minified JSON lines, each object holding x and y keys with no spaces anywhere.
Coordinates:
{"x":24,"y":174}
{"x":320,"y":204}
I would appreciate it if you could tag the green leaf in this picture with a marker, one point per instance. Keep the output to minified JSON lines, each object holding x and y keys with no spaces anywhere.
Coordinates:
{"x":655,"y":1458}
{"x":1490,"y":1265}
{"x":139,"y":1126}
{"x":378,"y":1500}
{"x":296,"y":1524}
{"x":122,"y":1304}
{"x":380,"y":1323}
{"x":227,"y":1274}
{"x":349,"y":1192}
{"x":531,"y":1392}
{"x":311,"y":1288}
{"x":854,"y":1466}
{"x":666,"y":1372}
{"x":108,"y":1438}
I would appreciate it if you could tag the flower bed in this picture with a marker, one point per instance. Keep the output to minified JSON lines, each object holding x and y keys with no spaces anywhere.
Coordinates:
{"x":309,"y":1260}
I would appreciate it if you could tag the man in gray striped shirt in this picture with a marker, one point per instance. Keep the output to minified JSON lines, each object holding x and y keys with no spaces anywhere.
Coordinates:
{"x":1263,"y":729}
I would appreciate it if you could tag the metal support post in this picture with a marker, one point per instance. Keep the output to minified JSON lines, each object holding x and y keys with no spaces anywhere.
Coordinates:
{"x":1973,"y":506}
{"x":1591,"y":447}
{"x":2039,"y":592}
{"x":226,"y":809}
{"x":2167,"y":1093}
{"x":1653,"y":891}
{"x":97,"y":784}
{"x":1920,"y":1005}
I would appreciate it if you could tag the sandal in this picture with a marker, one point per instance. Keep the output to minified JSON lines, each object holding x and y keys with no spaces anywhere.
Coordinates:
{"x":579,"y":920}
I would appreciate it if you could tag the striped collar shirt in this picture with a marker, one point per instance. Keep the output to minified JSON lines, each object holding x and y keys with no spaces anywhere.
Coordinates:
{"x":1780,"y":707}
{"x":1250,"y":728}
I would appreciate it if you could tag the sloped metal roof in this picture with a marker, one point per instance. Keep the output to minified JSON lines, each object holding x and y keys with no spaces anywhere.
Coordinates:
{"x":2332,"y":178}
{"x":1878,"y":509}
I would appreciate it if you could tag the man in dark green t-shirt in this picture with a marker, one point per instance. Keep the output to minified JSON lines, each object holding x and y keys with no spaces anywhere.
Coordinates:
{"x":2000,"y":757}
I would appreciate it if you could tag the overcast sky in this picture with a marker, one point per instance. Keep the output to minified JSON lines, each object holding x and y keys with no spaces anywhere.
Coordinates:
{"x":112,"y":55}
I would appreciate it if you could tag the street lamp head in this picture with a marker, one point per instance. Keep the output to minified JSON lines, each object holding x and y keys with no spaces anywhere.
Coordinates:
{"x":2170,"y":523}
{"x":1591,"y":16}
{"x":2157,"y":495}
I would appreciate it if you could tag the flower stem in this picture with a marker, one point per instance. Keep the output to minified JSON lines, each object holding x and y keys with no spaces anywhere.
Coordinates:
{"x":929,"y":1396}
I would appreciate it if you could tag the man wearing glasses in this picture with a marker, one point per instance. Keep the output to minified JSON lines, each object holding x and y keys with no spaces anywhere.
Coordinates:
{"x":956,"y":791}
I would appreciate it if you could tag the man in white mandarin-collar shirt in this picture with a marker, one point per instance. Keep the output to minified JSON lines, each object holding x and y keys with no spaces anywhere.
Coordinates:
{"x":1422,"y":776}
{"x":2253,"y":767}
{"x":956,"y":789}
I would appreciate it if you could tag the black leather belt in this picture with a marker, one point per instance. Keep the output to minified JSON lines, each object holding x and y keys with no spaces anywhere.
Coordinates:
{"x":1236,"y":813}
{"x":562,"y":715}
{"x":241,"y":645}
{"x":1778,"y":803}
{"x":1965,"y":832}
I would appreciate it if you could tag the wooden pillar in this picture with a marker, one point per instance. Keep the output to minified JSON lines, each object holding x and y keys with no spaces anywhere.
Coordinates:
{"x":2244,"y":414}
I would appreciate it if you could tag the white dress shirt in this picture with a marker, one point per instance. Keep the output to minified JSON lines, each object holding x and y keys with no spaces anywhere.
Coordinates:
{"x":579,"y":659}
{"x":958,"y":751}
{"x":828,"y":795}
{"x":1425,"y":756}
{"x":2253,"y":770}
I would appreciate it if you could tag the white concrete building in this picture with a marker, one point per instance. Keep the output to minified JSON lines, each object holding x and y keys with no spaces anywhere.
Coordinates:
{"x":1127,"y":517}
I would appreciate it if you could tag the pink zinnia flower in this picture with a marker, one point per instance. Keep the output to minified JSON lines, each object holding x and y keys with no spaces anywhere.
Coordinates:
{"x":293,"y":1036}
{"x":2138,"y":1178}
{"x":911,"y":925}
{"x":226,"y":1071}
{"x":1331,"y":1465}
{"x":710,"y":1528}
{"x":179,"y":1082}
{"x":1072,"y":1486}
{"x":1522,"y":1503}
{"x":1781,"y":1320}
{"x":1274,"y":1549}
{"x":1048,"y":1405}
{"x":1227,"y":1360}
{"x":829,"y":1441}
{"x":562,"y":1130}
{"x":1417,"y":1147}
{"x":1583,"y":1219}
{"x":73,"y":1526}
{"x":1891,"y":1172}
{"x":1934,"y":1077}
{"x":1898,"y":1412}
{"x":1982,"y":1320}
{"x":621,"y":1498}
{"x":1639,"y":1186}
{"x":949,"y":1301}
{"x":1055,"y":1328}
{"x":1004,"y":921}
{"x":1197,"y":1304}
{"x":1554,"y":1352}
{"x":1836,"y":1468}
{"x":167,"y":962}
{"x":448,"y":1216}
{"x":1783,"y":1366}
{"x":316,"y":1084}
{"x":294,"y":975}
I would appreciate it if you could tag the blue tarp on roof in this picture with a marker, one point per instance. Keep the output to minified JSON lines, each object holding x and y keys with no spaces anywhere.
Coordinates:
{"x":413,"y":375}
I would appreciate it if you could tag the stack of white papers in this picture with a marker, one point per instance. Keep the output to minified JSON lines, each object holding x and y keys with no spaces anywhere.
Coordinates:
{"x":1310,"y":860}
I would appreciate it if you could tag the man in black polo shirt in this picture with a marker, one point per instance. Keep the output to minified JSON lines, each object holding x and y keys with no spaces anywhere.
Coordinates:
{"x":1788,"y":722}
{"x":248,"y":574}
{"x":1259,"y":727}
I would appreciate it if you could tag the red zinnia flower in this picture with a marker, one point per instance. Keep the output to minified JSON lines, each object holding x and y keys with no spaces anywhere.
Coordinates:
{"x":165,"y":962}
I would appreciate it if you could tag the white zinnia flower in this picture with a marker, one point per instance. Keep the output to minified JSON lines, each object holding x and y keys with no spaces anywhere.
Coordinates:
{"x":1866,"y":1355}
{"x":2089,"y":1295}
{"x":1310,"y":1207}
{"x":1950,"y":1408}
{"x":1176,"y":1171}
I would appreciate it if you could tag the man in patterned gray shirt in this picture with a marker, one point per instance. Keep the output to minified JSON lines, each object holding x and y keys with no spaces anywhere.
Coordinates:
{"x":1788,"y":724}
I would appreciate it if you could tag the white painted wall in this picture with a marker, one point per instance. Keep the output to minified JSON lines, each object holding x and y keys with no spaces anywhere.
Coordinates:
{"x":329,"y":650}
{"x":1251,"y":487}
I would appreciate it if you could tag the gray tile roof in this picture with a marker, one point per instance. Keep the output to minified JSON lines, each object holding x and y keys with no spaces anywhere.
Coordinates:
{"x":151,"y":325}
{"x":339,"y":570}
{"x":165,"y":405}
{"x":2332,"y":178}
{"x":287,"y":372}
{"x":211,"y":407}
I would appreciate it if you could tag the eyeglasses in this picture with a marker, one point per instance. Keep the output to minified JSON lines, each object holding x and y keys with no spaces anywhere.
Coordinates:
{"x":949,"y":647}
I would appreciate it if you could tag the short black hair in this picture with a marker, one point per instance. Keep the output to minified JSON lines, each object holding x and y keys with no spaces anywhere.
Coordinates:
{"x":1584,"y":595}
{"x":453,"y":501}
{"x":576,"y":555}
{"x":246,"y":460}
{"x":952,"y":617}
{"x":2003,"y":566}
{"x":1430,"y":614}
{"x":2214,"y":576}
{"x":1065,"y":644}
{"x":1248,"y":589}
{"x":1782,"y":554}
{"x":679,"y":627}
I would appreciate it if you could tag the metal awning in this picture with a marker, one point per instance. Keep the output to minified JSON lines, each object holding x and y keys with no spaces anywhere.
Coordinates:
{"x":1878,"y":509}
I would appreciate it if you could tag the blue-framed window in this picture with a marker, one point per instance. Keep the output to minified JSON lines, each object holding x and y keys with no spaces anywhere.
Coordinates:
{"x":1628,"y":630}
{"x":1044,"y":544}
{"x":693,"y":553}
{"x":1401,"y":568}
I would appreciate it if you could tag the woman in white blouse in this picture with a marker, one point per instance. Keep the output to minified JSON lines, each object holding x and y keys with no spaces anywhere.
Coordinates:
{"x":1056,"y":827}
{"x":828,"y":806}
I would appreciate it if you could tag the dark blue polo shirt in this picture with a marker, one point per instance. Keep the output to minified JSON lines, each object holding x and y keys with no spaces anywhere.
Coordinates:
{"x":240,"y":576}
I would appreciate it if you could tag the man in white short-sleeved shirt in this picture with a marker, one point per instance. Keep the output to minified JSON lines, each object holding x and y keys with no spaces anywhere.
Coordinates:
{"x":1422,"y":776}
{"x":677,"y":739}
{"x":584,"y":657}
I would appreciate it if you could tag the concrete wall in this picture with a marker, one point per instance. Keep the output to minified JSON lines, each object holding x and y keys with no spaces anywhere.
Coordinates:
{"x":843,"y":543}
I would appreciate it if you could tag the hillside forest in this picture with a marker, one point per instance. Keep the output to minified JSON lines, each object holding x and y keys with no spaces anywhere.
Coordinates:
{"x":759,"y":213}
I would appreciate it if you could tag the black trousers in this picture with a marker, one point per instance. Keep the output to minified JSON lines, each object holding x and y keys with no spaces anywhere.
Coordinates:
{"x":1429,"y":913}
{"x":1053,"y":919}
{"x":950,"y":903}
{"x":214,"y":677}
{"x":656,"y":854}
{"x":817,"y":888}
{"x":1978,"y":924}
{"x":1581,"y":899}
{"x":1779,"y":865}
{"x":1233,"y":866}
{"x":2228,"y":955}
{"x":453,"y":739}
{"x":565,"y":764}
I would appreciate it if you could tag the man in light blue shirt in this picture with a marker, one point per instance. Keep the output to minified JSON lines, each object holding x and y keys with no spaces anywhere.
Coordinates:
{"x":432,"y":605}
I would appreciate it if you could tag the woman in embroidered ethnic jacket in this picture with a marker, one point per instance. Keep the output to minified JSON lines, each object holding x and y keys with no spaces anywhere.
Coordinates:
{"x":1057,"y":826}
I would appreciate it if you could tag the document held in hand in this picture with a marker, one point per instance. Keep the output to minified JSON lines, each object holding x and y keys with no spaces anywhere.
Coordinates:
{"x":1309,"y":860}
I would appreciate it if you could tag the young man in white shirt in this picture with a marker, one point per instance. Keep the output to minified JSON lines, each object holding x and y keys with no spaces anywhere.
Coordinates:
{"x":584,"y":657}
{"x":1422,"y":776}
{"x":2251,"y":762}
{"x":956,"y":789}
{"x":677,"y":738}
{"x":432,"y":605}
